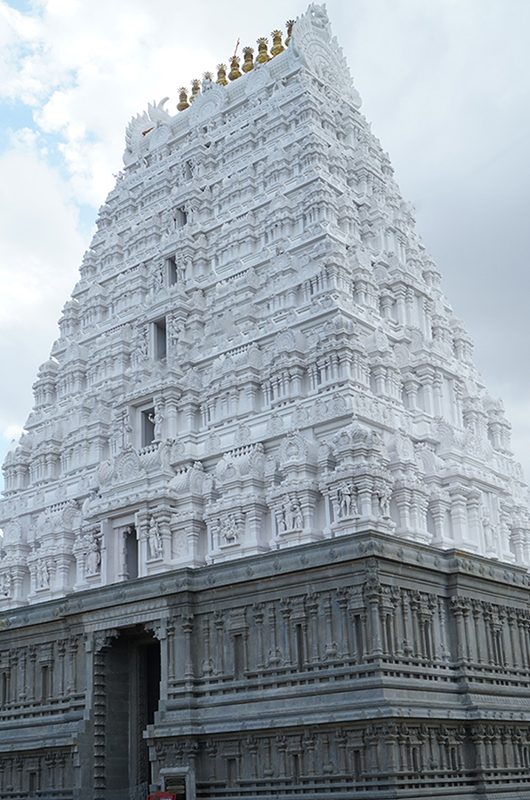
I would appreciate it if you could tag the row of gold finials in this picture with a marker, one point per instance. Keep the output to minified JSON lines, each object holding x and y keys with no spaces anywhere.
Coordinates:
{"x":236,"y":68}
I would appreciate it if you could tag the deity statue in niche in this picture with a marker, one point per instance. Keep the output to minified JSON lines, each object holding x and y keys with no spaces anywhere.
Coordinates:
{"x":290,"y":516}
{"x":5,"y":584}
{"x":93,"y":557}
{"x":154,"y":540}
{"x":174,"y":329}
{"x":280,"y":520}
{"x":296,"y":518}
{"x":383,"y":493}
{"x":489,"y":535}
{"x":42,"y":574}
{"x":347,"y":504}
{"x":156,"y":418}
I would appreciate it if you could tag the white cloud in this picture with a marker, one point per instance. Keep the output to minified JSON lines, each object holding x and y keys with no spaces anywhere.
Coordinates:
{"x":40,"y":249}
{"x":12,"y":432}
{"x":86,"y":73}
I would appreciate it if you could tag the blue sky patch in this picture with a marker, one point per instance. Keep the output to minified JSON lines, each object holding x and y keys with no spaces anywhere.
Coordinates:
{"x":13,"y":116}
{"x":24,"y":6}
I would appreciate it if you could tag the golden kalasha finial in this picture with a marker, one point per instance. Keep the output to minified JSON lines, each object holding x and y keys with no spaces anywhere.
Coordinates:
{"x":183,"y":99}
{"x":248,"y":59}
{"x":289,"y":24}
{"x":235,"y":72}
{"x":277,"y":46}
{"x":195,"y":89}
{"x":208,"y":76}
{"x":263,"y":56}
{"x":221,"y":74}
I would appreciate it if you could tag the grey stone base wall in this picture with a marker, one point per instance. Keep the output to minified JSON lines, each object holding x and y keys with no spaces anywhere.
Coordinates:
{"x":361,"y":665}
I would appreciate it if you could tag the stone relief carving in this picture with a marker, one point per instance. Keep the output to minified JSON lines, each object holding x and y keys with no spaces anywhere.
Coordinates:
{"x":289,"y":516}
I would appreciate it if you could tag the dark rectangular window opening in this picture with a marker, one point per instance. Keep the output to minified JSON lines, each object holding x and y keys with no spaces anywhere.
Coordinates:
{"x":5,"y":688}
{"x":45,"y":683}
{"x":239,"y":656}
{"x":147,"y":426}
{"x":181,"y":218}
{"x":359,"y":638}
{"x":160,"y":338}
{"x":300,"y":655}
{"x":231,"y":771}
{"x":296,"y":768}
{"x":131,"y":552}
{"x":172,"y":273}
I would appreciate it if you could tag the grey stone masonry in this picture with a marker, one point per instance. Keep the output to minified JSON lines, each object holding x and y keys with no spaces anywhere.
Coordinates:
{"x":362,"y":665}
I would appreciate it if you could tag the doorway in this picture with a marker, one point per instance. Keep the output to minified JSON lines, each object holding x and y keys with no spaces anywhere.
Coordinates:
{"x":132,"y":693}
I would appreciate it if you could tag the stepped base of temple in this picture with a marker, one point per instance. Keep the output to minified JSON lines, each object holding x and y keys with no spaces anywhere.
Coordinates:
{"x":359,"y":665}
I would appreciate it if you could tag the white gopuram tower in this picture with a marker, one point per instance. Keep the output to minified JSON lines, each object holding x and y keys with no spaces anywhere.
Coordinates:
{"x":257,"y":355}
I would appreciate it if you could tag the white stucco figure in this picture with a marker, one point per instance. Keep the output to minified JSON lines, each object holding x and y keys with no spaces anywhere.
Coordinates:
{"x":93,"y":557}
{"x":154,"y":539}
{"x":43,"y":575}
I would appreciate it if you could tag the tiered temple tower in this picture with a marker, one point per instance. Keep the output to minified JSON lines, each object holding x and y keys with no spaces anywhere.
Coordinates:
{"x":264,"y":501}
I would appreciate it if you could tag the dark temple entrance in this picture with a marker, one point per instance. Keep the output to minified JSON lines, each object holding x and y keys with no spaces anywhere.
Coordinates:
{"x":132,"y":684}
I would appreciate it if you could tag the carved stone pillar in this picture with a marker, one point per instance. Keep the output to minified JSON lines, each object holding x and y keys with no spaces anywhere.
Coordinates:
{"x":187,"y":629}
{"x":207,"y":663}
{"x":401,"y":311}
{"x":160,"y":632}
{"x":32,"y":657}
{"x":219,"y":624}
{"x":281,"y":746}
{"x":374,"y":621}
{"x":170,"y":629}
{"x":407,"y":626}
{"x":258,"y":613}
{"x":402,"y":497}
{"x":364,"y":490}
{"x":477,"y":628}
{"x":312,"y":610}
{"x":459,"y":519}
{"x":13,"y":683}
{"x":274,"y":651}
{"x":515,"y":655}
{"x":457,"y":608}
{"x":469,"y":631}
{"x":331,"y":645}
{"x":473,"y":509}
{"x":22,"y":676}
{"x":343,"y":596}
{"x":411,"y":386}
{"x":71,"y":666}
{"x":438,"y":408}
{"x":171,"y":417}
{"x":399,"y":634}
{"x":96,"y":699}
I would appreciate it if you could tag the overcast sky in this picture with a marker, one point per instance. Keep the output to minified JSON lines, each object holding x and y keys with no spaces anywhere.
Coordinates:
{"x":445,"y":84}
